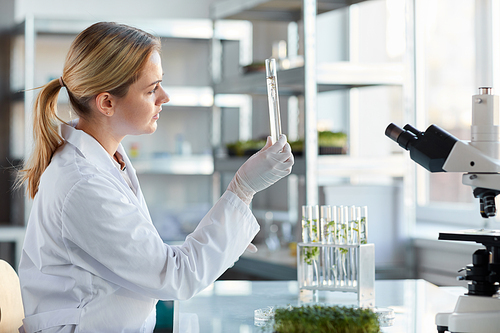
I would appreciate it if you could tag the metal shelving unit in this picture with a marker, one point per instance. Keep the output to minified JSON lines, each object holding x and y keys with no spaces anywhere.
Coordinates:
{"x":332,"y":166}
{"x":176,"y":165}
{"x":329,"y":76}
{"x":272,"y":10}
{"x":309,"y":80}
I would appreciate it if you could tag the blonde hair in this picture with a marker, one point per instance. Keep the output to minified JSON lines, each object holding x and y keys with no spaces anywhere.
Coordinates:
{"x":104,"y":57}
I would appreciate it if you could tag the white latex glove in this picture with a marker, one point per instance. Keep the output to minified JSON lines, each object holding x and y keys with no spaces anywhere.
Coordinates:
{"x":262,"y":169}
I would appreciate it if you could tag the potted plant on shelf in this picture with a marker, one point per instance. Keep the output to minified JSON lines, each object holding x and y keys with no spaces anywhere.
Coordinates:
{"x":329,"y":143}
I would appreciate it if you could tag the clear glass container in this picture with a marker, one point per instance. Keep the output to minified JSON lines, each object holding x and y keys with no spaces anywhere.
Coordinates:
{"x":273,"y":99}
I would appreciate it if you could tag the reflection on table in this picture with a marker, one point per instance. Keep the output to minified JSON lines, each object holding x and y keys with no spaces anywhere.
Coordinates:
{"x":228,"y":306}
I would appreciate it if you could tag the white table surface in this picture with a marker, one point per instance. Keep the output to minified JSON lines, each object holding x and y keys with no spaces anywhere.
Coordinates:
{"x":228,"y":306}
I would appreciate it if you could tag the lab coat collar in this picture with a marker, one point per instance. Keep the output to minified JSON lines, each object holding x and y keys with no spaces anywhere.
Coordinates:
{"x":87,"y":146}
{"x":93,"y":152}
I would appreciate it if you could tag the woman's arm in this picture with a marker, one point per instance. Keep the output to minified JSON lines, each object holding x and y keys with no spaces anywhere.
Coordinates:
{"x":109,"y":236}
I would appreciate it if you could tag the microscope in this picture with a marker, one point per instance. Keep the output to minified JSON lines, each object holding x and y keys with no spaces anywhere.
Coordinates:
{"x":438,"y":151}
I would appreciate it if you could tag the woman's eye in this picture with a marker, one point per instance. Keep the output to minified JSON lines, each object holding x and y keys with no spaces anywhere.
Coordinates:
{"x":154,"y":90}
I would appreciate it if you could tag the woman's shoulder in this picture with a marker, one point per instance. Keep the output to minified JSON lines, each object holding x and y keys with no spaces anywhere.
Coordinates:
{"x":67,"y":168}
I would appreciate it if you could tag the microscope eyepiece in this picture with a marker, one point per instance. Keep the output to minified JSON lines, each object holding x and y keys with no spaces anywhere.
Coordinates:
{"x":430,"y":149}
{"x":393,"y":131}
{"x":402,"y":136}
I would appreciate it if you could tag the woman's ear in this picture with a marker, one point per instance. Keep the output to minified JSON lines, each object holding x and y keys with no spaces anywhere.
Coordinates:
{"x":105,"y":104}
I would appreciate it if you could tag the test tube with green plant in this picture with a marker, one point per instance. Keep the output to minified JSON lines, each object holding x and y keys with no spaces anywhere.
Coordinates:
{"x":316,"y":239}
{"x":309,"y":271}
{"x":353,"y":240}
{"x":306,"y":223}
{"x":315,"y":225}
{"x":332,"y":239}
{"x":341,"y":240}
{"x":329,"y":256}
{"x":363,"y":237}
{"x":325,"y":219}
{"x":309,"y":254}
{"x":273,"y":99}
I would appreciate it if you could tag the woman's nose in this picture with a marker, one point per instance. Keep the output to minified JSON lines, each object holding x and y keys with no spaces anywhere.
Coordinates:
{"x":163,"y":98}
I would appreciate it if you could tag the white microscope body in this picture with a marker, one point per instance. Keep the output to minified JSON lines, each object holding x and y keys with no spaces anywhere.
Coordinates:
{"x":478,"y":311}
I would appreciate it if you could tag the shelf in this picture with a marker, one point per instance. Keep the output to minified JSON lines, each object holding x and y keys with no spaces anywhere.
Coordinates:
{"x":176,"y":165}
{"x":190,"y":96}
{"x":345,"y":166}
{"x":330,"y":76}
{"x":229,"y":164}
{"x":277,"y":215}
{"x":357,"y":74}
{"x":271,"y":10}
{"x":334,"y":165}
{"x":182,"y":28}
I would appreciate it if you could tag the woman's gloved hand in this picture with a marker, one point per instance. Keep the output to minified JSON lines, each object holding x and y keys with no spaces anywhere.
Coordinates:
{"x":262,"y":169}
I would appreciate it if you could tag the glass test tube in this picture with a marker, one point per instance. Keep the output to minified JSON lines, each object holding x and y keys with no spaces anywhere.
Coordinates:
{"x":315,"y":238}
{"x":307,"y":253}
{"x":306,"y":221}
{"x":315,"y":225}
{"x":353,"y":234}
{"x":363,"y":237}
{"x":332,"y":266}
{"x":339,"y":240}
{"x":325,"y":219}
{"x":345,"y":251}
{"x":333,"y":250}
{"x":352,"y":226}
{"x":358,"y":225}
{"x":273,"y":99}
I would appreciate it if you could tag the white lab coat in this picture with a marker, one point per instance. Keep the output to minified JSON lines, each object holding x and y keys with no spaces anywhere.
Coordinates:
{"x":92,"y":260}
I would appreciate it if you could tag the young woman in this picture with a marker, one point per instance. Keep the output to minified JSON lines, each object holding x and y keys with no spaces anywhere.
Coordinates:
{"x":92,"y":260}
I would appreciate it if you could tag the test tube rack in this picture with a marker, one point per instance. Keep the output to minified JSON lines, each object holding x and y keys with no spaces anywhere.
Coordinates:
{"x":334,"y":254}
{"x":344,"y":268}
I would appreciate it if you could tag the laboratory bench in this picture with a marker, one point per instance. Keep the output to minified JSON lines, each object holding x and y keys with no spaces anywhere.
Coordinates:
{"x":228,"y":306}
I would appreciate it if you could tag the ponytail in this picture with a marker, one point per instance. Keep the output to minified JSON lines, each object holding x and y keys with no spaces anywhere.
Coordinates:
{"x":45,"y":135}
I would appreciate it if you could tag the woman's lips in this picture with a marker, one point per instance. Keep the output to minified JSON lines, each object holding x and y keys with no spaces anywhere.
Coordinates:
{"x":156,"y":116}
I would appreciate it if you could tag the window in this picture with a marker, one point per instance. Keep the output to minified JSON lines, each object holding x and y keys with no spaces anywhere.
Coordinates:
{"x":454,"y":56}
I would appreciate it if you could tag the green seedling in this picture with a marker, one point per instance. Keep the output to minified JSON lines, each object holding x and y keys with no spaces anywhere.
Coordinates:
{"x":310,"y":254}
{"x":323,"y":319}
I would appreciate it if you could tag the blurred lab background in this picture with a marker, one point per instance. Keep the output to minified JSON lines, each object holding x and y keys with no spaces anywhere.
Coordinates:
{"x":342,"y":79}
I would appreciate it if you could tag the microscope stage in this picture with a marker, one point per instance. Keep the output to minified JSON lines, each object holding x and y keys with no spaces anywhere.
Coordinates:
{"x":484,"y":236}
